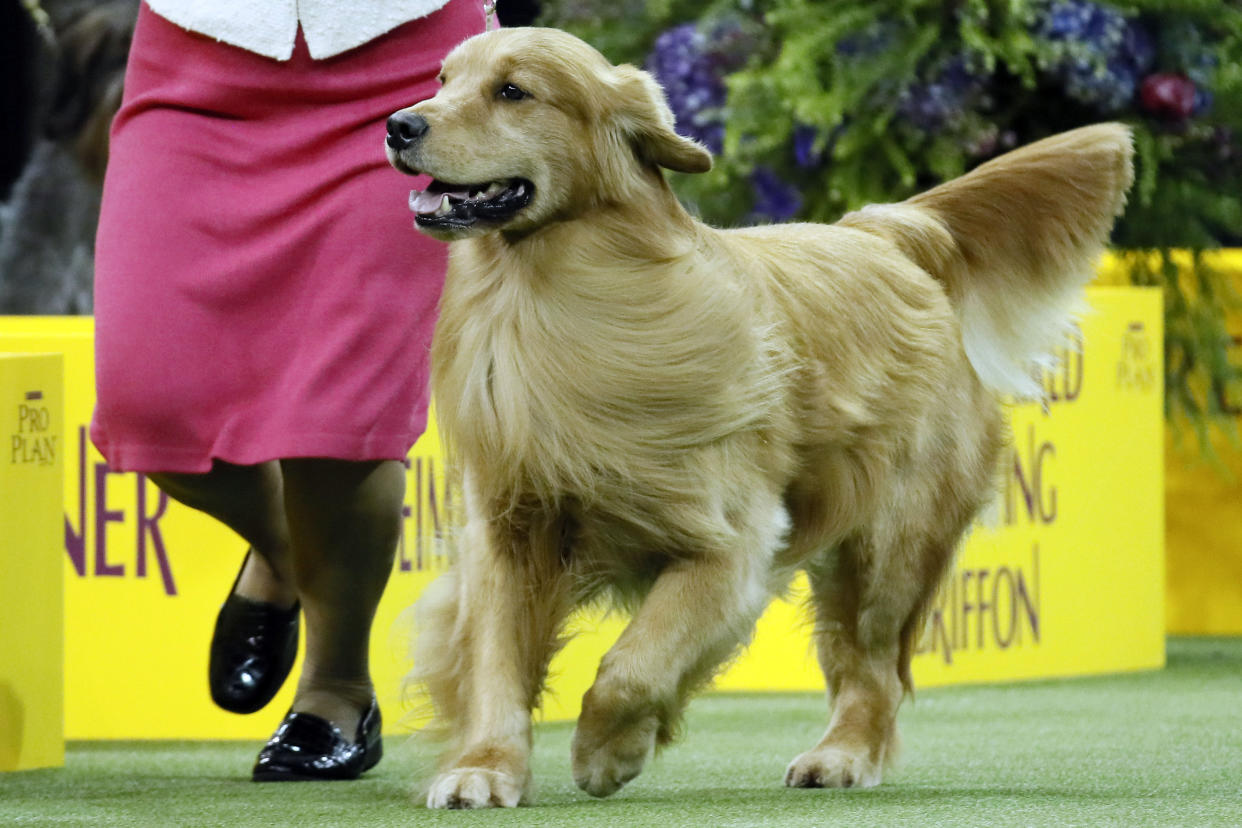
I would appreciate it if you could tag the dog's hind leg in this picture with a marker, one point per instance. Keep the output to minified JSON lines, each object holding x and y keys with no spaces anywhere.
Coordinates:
{"x":870,"y":596}
{"x":512,"y":597}
{"x":697,"y":613}
{"x":871,"y":593}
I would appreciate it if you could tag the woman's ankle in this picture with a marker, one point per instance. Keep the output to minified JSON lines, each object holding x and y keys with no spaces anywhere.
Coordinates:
{"x":343,"y":703}
{"x":259,"y":582}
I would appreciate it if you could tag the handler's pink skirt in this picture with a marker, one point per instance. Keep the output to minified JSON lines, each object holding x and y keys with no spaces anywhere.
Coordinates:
{"x":260,"y":290}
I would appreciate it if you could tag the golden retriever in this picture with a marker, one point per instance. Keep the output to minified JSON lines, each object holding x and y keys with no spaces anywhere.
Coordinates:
{"x":654,"y":412}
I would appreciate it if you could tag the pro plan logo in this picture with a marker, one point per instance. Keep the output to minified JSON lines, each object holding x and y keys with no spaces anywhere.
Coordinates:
{"x":1136,"y":369}
{"x":34,"y":443}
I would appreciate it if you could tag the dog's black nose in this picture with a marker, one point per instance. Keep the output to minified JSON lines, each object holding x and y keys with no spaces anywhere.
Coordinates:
{"x":404,"y":128}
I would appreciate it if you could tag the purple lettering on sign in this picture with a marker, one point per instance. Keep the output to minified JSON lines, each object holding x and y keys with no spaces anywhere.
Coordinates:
{"x":418,"y":525}
{"x":148,"y":539}
{"x":440,"y":511}
{"x":1063,"y":382}
{"x":981,"y":604}
{"x":75,"y":542}
{"x":430,"y":507}
{"x":104,"y":516}
{"x":403,"y":563}
{"x":1005,"y":638}
{"x":981,"y":608}
{"x":148,"y":525}
{"x":1028,"y":478}
{"x":1029,"y":606}
{"x":968,"y":610}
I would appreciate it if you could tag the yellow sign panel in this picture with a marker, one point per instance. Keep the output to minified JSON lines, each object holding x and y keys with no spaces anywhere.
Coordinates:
{"x":1067,"y":581}
{"x":31,"y":611}
{"x":1203,"y":497}
{"x":145,"y":576}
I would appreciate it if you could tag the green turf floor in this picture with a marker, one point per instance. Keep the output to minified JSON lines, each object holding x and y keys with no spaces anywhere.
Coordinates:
{"x":1161,"y":748}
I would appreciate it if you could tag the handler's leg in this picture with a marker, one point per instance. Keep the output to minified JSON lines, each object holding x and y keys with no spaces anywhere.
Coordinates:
{"x":255,"y":639}
{"x":250,"y":501}
{"x":344,"y":523}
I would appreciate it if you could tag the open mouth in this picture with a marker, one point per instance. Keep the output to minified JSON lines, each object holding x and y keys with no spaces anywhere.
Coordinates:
{"x":444,"y":205}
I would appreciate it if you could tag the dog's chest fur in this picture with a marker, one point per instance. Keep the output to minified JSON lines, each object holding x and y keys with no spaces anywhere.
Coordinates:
{"x":594,"y":382}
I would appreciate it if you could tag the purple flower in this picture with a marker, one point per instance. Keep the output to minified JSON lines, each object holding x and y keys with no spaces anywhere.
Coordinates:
{"x":1203,"y":101}
{"x":691,"y":64}
{"x":693,"y":84}
{"x":942,"y":100}
{"x":1096,"y":53}
{"x":775,"y":199}
{"x":1138,"y":47}
{"x":805,"y":154}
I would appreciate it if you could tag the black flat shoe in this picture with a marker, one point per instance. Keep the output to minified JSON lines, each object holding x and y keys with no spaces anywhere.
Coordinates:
{"x":308,"y":748}
{"x":252,"y":650}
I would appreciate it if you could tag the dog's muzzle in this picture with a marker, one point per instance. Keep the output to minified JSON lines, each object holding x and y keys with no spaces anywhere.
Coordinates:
{"x":405,"y":128}
{"x":446,"y":206}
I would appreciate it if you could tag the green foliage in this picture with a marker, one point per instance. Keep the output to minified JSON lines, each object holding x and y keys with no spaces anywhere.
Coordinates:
{"x":856,"y":101}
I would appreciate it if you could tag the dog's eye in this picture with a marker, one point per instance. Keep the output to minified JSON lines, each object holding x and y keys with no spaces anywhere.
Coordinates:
{"x":512,"y":93}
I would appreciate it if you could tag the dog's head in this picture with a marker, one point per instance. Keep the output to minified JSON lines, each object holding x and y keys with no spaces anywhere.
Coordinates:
{"x":531,"y":126}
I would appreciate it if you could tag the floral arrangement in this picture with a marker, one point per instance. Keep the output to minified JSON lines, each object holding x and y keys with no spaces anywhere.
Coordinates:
{"x":816,"y":107}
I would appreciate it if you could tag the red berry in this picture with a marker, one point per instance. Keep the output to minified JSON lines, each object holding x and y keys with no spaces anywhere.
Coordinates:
{"x":1169,"y":96}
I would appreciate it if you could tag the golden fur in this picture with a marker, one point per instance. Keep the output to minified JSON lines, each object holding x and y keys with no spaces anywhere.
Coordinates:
{"x":652,"y":411}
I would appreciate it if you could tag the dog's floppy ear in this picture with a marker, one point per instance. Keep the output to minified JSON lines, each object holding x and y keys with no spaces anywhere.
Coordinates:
{"x":644,"y":118}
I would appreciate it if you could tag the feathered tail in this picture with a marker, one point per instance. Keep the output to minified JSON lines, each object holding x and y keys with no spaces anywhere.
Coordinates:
{"x":1013,"y":242}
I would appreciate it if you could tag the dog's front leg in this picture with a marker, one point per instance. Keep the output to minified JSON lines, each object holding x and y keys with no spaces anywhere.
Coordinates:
{"x":697,"y":613}
{"x":512,"y":597}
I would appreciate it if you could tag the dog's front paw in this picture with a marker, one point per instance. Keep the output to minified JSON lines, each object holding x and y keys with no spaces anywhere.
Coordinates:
{"x":831,"y":767}
{"x":606,"y":755}
{"x":466,"y":788}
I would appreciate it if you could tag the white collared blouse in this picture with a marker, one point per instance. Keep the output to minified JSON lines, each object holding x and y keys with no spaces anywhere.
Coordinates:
{"x":269,"y":27}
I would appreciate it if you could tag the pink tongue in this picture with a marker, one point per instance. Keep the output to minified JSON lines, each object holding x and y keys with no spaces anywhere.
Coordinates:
{"x":425,"y":202}
{"x":428,"y":202}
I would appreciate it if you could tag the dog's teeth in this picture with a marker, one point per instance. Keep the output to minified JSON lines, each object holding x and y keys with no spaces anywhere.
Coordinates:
{"x":445,"y":207}
{"x":488,"y":192}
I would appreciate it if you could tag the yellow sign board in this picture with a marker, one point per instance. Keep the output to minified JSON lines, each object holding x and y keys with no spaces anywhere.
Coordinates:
{"x":31,"y":593}
{"x":1203,"y":497}
{"x":1070,"y":578}
{"x":145,"y":576}
{"x":1067,"y":581}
